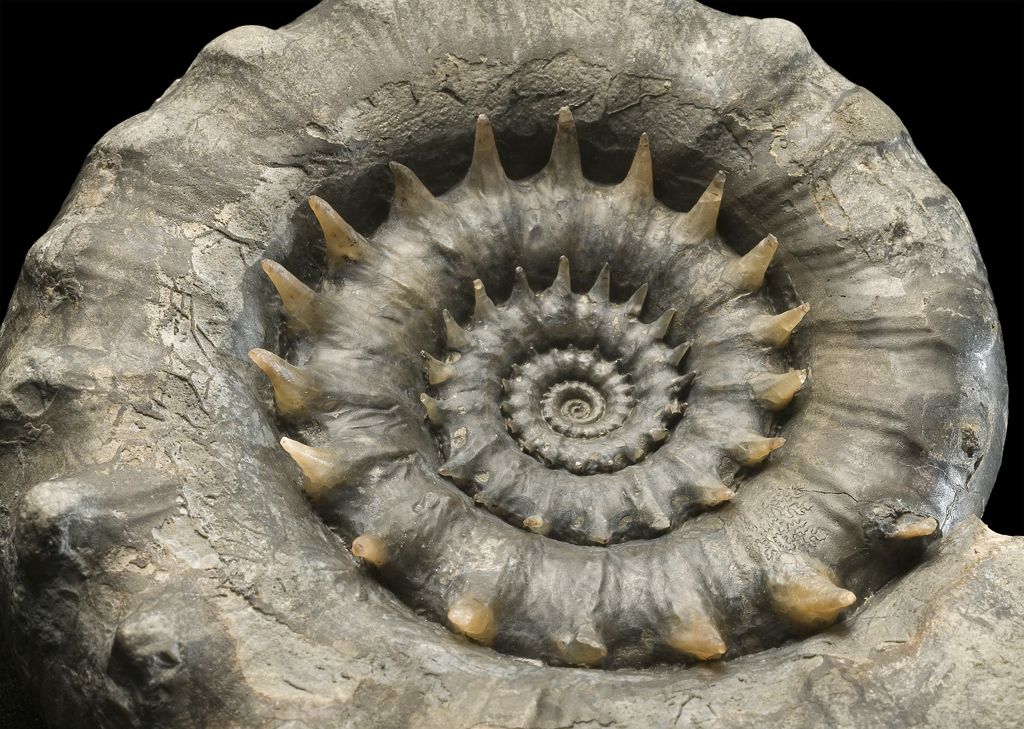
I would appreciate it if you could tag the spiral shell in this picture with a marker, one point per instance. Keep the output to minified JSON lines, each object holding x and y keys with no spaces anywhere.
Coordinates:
{"x":578,"y":417}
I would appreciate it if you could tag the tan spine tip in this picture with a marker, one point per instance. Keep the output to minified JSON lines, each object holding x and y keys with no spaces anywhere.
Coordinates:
{"x":536,"y":524}
{"x":565,"y":151}
{"x":485,"y":170}
{"x":677,"y":354}
{"x":437,"y":371}
{"x":473,"y":618}
{"x":319,"y":466}
{"x":913,"y":526}
{"x":775,"y":331}
{"x":696,"y":637}
{"x":371,"y":548}
{"x":600,"y":533}
{"x":776,"y":391}
{"x":683,"y":381}
{"x":483,"y":306}
{"x":804,"y":592}
{"x":455,"y":336}
{"x":340,"y":239}
{"x":410,"y":192}
{"x":601,"y":290}
{"x":635,"y":304}
{"x":747,"y":274}
{"x":715,"y":494}
{"x":754,"y":449}
{"x":639,"y":180}
{"x":433,"y":409}
{"x":659,"y":327}
{"x":521,"y":287}
{"x":293,"y":388}
{"x":700,"y":222}
{"x":562,"y":284}
{"x":298,"y":300}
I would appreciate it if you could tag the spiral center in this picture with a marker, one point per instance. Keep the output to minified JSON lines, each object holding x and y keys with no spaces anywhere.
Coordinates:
{"x":574,"y":409}
{"x":568,"y":405}
{"x":576,"y":383}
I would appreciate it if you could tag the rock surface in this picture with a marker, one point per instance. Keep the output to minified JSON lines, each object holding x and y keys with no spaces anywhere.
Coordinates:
{"x":159,"y":565}
{"x":939,"y":648}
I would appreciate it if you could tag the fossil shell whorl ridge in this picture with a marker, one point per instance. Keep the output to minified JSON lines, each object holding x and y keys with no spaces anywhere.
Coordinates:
{"x":571,"y":414}
{"x":749,"y":464}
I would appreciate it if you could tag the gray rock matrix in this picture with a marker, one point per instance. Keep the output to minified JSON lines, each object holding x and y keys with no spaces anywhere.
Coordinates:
{"x":160,"y":564}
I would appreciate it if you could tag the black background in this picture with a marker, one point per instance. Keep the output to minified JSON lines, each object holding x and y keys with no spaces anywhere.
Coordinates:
{"x":952,"y":71}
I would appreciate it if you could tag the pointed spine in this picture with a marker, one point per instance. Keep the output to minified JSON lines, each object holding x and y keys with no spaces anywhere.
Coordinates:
{"x":300,"y":303}
{"x":372,"y":549}
{"x":341,"y":240}
{"x":294,"y":388}
{"x":437,"y":371}
{"x":600,"y":532}
{"x":601,"y":290}
{"x":565,"y":151}
{"x":752,"y":450}
{"x":639,"y":182}
{"x":411,"y":195}
{"x":562,"y":285}
{"x":914,"y":526}
{"x":483,"y":307}
{"x":776,"y":391}
{"x":671,"y":410}
{"x":804,"y":593}
{"x":455,"y":336}
{"x":677,"y":354}
{"x":714,"y":493}
{"x":657,"y":434}
{"x":775,"y":331}
{"x":700,"y":222}
{"x":635,"y":304}
{"x":536,"y":524}
{"x":463,"y":461}
{"x":695,"y":636}
{"x":659,"y":327}
{"x":521,"y":288}
{"x":683,"y":381}
{"x":321,"y":467}
{"x":473,"y":618}
{"x":462,"y":467}
{"x":485,"y":171}
{"x":432,"y":408}
{"x":747,"y":273}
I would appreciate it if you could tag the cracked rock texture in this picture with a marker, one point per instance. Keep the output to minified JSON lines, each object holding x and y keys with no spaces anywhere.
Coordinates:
{"x":159,"y":565}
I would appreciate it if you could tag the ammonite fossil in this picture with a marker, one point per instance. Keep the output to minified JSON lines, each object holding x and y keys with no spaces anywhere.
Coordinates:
{"x":563,"y":413}
{"x":565,"y":421}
